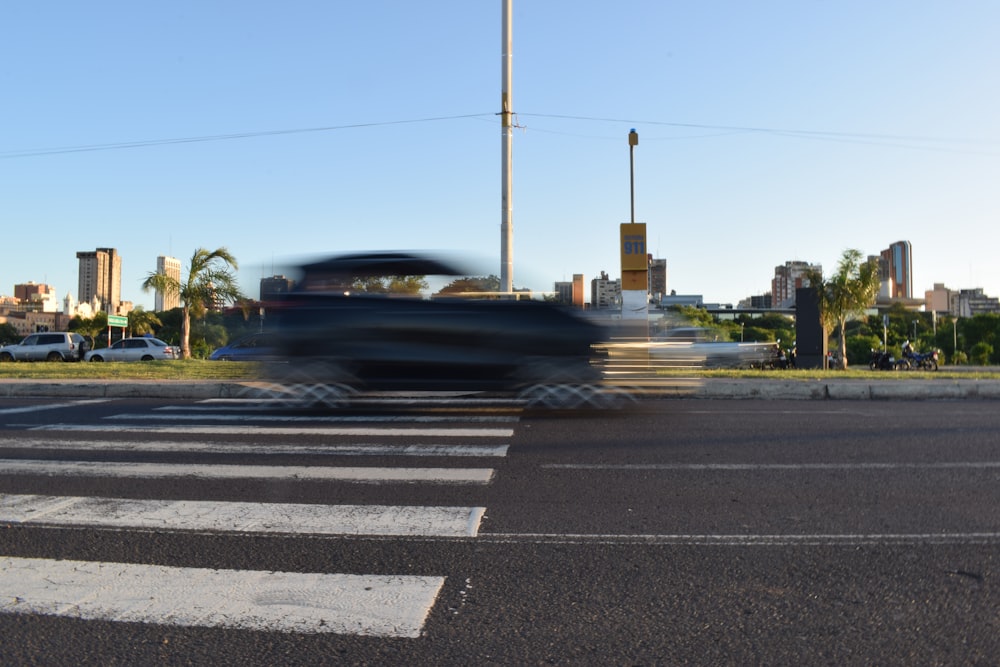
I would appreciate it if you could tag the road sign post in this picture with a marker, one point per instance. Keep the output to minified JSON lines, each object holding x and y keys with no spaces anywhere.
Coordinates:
{"x":116,"y":321}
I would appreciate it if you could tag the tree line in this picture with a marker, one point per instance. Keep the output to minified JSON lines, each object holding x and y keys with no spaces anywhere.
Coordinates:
{"x":845,"y":302}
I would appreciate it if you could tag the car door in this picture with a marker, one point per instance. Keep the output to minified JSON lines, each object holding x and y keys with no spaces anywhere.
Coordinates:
{"x":135,"y":349}
{"x":30,"y":348}
{"x":116,"y":352}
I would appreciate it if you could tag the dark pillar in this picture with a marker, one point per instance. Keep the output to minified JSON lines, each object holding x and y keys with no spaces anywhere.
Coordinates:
{"x":810,"y":335}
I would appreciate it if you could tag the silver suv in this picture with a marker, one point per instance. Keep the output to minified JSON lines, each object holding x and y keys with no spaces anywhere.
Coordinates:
{"x":47,"y":347}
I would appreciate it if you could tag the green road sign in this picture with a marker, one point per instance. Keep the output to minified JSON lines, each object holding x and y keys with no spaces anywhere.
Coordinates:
{"x":117,"y":321}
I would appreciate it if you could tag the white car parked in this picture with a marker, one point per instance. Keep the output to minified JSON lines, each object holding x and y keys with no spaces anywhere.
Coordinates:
{"x":145,"y":348}
{"x":55,"y":346}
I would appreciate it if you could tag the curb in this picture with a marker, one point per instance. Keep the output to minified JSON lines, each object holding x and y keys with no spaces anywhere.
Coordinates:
{"x":130,"y":389}
{"x":910,"y":390}
{"x":853,"y":390}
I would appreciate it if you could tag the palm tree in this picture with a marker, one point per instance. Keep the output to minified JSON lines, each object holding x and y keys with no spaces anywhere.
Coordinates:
{"x":210,"y":279}
{"x":141,"y":322}
{"x":849,"y":291}
{"x":90,"y":327}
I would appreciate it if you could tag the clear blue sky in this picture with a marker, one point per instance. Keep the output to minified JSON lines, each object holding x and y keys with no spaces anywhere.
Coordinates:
{"x":769,"y":131}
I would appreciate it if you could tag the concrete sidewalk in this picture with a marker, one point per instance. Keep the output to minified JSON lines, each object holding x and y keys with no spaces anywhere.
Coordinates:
{"x":705,"y":388}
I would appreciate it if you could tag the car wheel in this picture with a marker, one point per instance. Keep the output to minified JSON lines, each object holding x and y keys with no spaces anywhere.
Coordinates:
{"x":6,"y":356}
{"x":96,"y":357}
{"x":54,"y":356}
{"x":146,"y":357}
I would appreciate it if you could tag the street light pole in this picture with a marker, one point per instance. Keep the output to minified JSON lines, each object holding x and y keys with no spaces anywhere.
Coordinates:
{"x":633,"y":141}
{"x":506,"y":150}
{"x":954,"y":344}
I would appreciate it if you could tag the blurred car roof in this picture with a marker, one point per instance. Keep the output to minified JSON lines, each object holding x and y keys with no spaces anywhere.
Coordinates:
{"x":383,"y":264}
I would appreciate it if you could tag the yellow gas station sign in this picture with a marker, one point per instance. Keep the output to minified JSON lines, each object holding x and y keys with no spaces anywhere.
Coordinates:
{"x":633,"y":247}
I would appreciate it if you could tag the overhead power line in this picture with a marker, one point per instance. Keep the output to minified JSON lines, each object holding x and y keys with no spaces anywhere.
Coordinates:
{"x":892,"y":140}
{"x":32,"y":152}
{"x":763,"y":130}
{"x":889,"y":140}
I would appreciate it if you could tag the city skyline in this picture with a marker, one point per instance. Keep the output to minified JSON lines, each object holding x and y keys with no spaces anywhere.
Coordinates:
{"x":895,"y":266}
{"x":765,"y":133}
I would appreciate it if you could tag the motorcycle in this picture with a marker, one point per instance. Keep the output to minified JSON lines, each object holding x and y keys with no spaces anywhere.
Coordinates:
{"x":780,"y":358}
{"x":926,"y":361}
{"x":883,"y":361}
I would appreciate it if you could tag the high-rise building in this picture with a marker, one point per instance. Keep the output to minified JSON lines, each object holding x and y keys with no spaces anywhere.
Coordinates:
{"x":168,"y":266}
{"x":657,"y":278}
{"x":272,"y":288}
{"x":564,"y":291}
{"x":898,"y":259}
{"x":787,"y":279}
{"x":101,"y":277}
{"x":578,"y":290}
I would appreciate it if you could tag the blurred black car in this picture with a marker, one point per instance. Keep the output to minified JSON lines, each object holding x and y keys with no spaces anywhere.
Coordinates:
{"x":333,"y":335}
{"x":253,"y":347}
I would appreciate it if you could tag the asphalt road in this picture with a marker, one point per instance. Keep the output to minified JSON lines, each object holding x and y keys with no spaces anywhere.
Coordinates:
{"x":681,"y":532}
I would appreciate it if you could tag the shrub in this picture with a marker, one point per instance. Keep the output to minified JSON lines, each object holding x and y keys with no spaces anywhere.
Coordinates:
{"x":980,"y":354}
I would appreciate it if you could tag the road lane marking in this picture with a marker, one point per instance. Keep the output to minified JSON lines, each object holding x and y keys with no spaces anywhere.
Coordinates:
{"x":332,"y":419}
{"x":244,"y":517}
{"x":370,"y":475}
{"x":250,"y":429}
{"x":458,"y":400}
{"x":941,"y":465}
{"x":790,"y":540}
{"x":51,"y":406}
{"x":381,"y":606}
{"x":474,"y":451}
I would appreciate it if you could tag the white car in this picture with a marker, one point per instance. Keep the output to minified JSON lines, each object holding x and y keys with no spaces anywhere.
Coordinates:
{"x":144,"y":348}
{"x":56,"y":346}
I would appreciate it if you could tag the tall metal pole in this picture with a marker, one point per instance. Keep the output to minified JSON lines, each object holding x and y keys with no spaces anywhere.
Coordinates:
{"x":633,"y":141}
{"x":507,"y":135}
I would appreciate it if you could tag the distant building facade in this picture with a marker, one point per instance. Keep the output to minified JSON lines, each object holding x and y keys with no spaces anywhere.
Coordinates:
{"x":897,"y":263}
{"x":563,"y":291}
{"x":101,"y":276}
{"x":578,"y":294}
{"x":971,"y":302}
{"x":657,"y":279}
{"x":604,"y":292}
{"x":37,"y":297}
{"x":789,"y":278}
{"x":960,"y":303}
{"x":938,"y":300}
{"x":678,"y":300}
{"x":171,"y":267}
{"x":272,"y":289}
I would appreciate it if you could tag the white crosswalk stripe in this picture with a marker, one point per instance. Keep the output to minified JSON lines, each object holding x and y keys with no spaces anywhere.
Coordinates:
{"x":376,"y":605}
{"x":167,"y":446}
{"x":371,"y":475}
{"x":387,"y":606}
{"x":241,"y":517}
{"x":255,"y":429}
